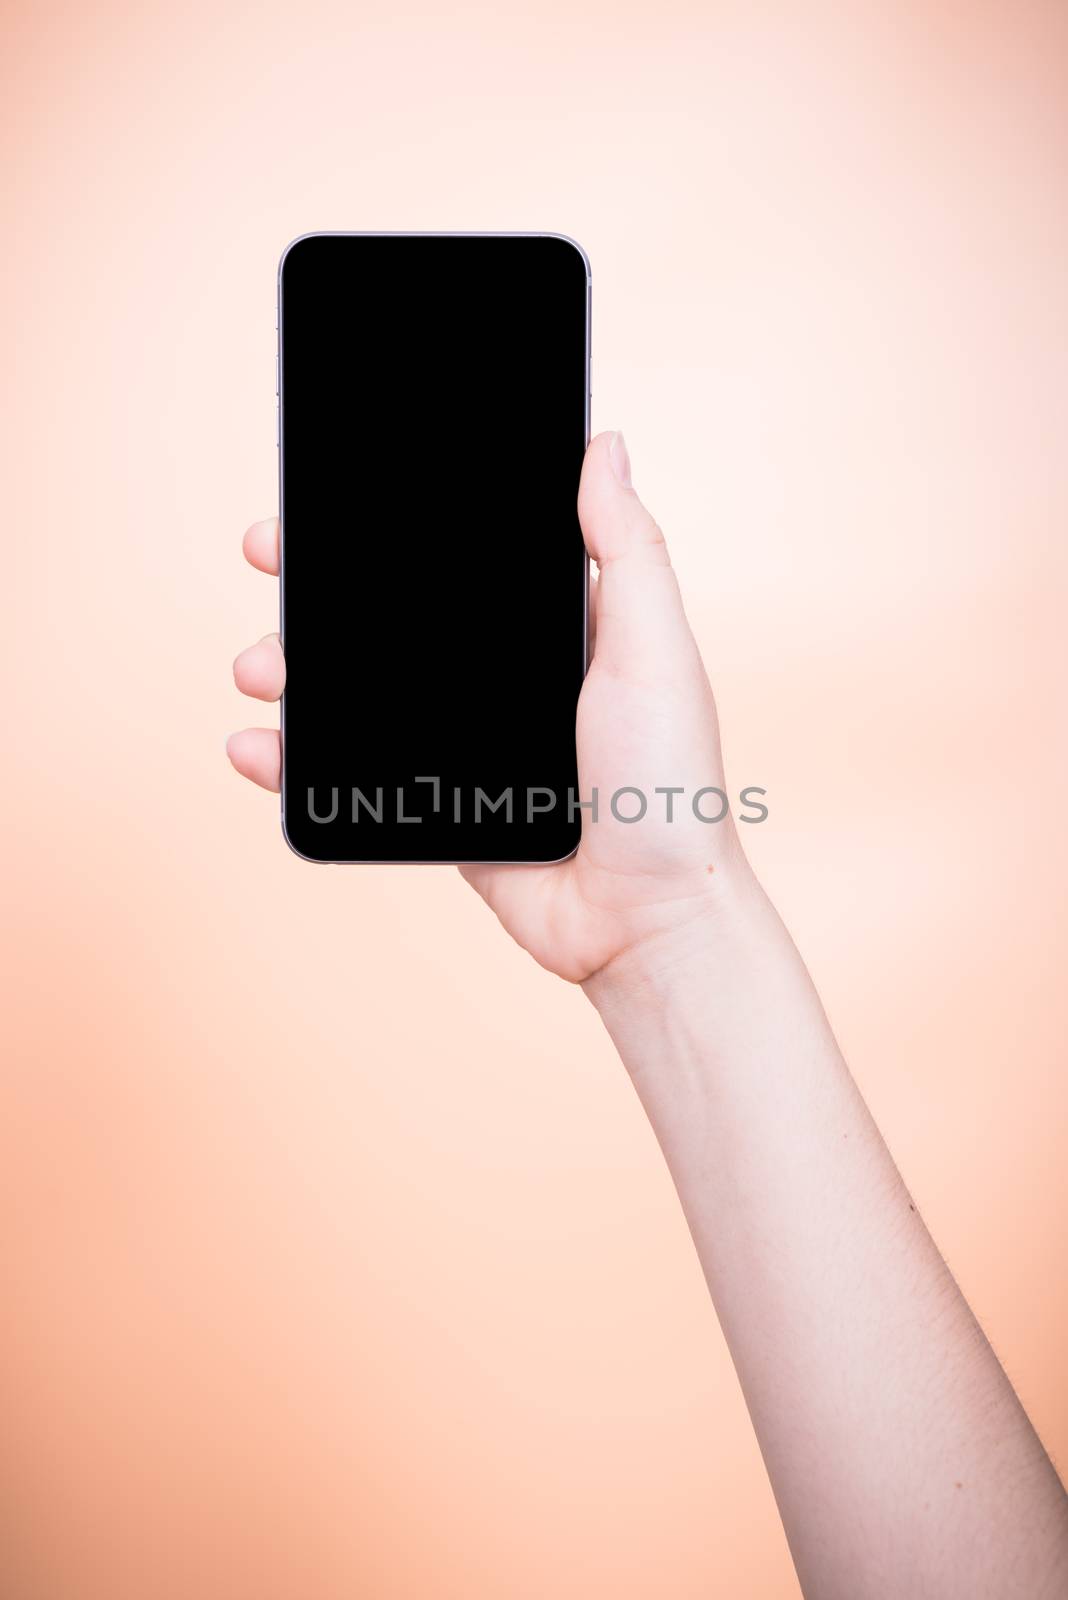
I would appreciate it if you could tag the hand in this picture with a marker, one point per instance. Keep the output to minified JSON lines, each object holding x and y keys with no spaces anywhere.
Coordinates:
{"x":646,"y":721}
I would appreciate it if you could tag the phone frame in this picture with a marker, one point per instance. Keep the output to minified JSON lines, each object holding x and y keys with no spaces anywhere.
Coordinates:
{"x":374,"y":233}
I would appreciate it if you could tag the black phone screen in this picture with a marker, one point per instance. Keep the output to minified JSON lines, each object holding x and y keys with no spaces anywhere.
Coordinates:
{"x":433,"y":418}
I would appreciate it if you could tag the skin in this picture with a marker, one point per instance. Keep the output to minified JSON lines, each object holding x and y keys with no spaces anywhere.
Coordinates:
{"x":901,"y":1460}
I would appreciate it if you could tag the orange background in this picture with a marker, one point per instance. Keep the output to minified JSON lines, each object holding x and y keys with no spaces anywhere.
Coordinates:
{"x":337,"y":1258}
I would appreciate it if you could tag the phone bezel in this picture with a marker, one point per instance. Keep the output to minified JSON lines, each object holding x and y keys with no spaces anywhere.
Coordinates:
{"x":365,"y":233}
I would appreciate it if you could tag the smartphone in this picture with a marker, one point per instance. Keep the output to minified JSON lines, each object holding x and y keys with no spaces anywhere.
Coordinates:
{"x":434,"y":403}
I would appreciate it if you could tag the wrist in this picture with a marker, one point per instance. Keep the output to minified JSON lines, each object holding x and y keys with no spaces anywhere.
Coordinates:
{"x":648,"y":972}
{"x":709,"y":1009}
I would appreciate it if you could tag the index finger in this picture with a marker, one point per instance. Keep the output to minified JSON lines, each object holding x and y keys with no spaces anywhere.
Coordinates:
{"x":260,"y":545}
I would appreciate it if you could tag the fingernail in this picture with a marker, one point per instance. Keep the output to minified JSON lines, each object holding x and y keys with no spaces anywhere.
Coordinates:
{"x":617,"y":455}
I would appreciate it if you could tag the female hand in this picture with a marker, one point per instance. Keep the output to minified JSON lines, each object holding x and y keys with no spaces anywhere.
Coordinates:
{"x":646,"y":721}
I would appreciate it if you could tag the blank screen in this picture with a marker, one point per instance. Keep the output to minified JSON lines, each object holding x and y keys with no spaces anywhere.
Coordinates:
{"x":434,"y":412}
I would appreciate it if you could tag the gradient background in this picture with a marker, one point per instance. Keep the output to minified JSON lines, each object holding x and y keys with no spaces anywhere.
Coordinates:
{"x":337,"y":1258}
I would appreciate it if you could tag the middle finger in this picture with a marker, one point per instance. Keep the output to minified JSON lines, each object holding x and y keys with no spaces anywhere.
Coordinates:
{"x":260,"y":671}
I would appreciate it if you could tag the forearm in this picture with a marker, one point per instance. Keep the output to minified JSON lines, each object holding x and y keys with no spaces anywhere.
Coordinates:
{"x":900,"y":1458}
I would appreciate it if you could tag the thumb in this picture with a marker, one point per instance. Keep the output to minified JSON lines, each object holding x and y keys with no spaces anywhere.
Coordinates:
{"x":641,"y":625}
